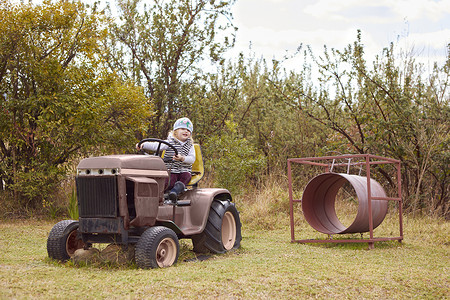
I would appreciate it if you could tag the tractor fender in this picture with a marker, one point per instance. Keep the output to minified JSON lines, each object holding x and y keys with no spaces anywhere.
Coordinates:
{"x":201,"y":200}
{"x":192,"y":219}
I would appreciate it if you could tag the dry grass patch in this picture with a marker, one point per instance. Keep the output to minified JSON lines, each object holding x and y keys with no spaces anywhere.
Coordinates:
{"x":266,"y":207}
{"x":267,"y":266}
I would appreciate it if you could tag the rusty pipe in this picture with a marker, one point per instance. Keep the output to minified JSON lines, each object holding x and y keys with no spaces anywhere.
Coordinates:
{"x":319,"y":197}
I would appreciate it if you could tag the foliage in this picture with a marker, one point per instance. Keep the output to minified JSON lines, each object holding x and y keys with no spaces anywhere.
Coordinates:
{"x":276,"y":129}
{"x":76,"y":81}
{"x":72,"y":208}
{"x":163,"y":45}
{"x":232,"y":159}
{"x":388,"y":110}
{"x":56,"y":102}
{"x":212,"y":100}
{"x":244,"y":92}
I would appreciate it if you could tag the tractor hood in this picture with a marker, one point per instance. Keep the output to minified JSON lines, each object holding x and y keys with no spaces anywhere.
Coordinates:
{"x":116,"y":164}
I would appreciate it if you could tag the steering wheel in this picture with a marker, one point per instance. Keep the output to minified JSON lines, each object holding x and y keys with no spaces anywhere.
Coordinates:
{"x":158,"y":150}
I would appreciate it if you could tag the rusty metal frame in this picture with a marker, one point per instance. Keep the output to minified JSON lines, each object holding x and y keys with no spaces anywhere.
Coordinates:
{"x":365,"y":160}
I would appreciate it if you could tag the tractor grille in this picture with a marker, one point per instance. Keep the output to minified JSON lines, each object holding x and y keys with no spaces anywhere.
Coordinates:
{"x":97,"y":196}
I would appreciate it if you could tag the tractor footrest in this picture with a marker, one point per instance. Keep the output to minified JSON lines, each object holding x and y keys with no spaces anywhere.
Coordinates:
{"x":184,"y":203}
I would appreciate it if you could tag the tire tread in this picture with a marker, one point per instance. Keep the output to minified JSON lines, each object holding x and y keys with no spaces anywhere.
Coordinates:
{"x":210,"y":240}
{"x":148,"y":242}
{"x":56,"y":241}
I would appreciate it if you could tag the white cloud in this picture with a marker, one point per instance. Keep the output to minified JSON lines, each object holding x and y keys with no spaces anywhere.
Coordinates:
{"x":290,"y":39}
{"x":414,"y":10}
{"x":329,"y":8}
{"x":276,"y":26}
{"x":436,"y":39}
{"x":380,"y":11}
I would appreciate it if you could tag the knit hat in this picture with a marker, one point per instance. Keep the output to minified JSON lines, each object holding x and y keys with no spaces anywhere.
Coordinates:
{"x":183,"y":123}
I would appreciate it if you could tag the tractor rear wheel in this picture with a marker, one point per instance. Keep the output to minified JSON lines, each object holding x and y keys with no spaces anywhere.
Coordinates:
{"x":157,"y":247}
{"x":63,"y":240}
{"x":223,"y":229}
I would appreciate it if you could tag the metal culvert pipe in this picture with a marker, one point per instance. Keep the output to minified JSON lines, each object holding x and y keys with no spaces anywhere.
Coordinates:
{"x":319,"y":197}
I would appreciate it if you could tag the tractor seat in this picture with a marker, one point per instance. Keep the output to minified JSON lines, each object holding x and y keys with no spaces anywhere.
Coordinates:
{"x":198,"y":169}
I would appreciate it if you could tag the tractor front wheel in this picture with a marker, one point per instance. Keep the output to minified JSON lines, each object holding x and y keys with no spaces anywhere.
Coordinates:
{"x":223,"y":229}
{"x":63,"y":240}
{"x":158,"y":247}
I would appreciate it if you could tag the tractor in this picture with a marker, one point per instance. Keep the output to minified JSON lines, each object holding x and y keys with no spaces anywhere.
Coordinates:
{"x":122,"y":201}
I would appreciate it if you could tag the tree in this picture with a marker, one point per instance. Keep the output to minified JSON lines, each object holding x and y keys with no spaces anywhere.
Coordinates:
{"x":56,"y":102}
{"x":276,"y":129}
{"x":389,"y":110}
{"x":165,"y":45}
{"x":233,"y":160}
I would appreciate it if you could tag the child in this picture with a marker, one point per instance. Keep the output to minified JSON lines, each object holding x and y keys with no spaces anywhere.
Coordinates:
{"x":181,"y":166}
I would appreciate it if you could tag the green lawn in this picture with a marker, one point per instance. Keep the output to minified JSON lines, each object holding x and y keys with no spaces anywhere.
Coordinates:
{"x":266,"y":266}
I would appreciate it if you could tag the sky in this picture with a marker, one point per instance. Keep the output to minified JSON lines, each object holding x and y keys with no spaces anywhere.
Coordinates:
{"x":275,"y":28}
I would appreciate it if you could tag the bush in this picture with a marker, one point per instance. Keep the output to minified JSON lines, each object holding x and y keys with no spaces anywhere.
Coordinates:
{"x":232,"y":159}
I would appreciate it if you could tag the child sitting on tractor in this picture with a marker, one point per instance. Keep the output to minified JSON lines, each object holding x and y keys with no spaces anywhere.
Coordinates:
{"x":180,"y":165}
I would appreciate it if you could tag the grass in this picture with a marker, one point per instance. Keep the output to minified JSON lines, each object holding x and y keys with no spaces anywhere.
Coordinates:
{"x":266,"y":266}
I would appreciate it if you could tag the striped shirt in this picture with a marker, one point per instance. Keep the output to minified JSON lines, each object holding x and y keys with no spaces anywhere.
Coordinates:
{"x":185,"y":149}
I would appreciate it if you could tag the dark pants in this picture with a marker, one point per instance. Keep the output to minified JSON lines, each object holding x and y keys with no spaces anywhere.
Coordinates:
{"x":184,"y":177}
